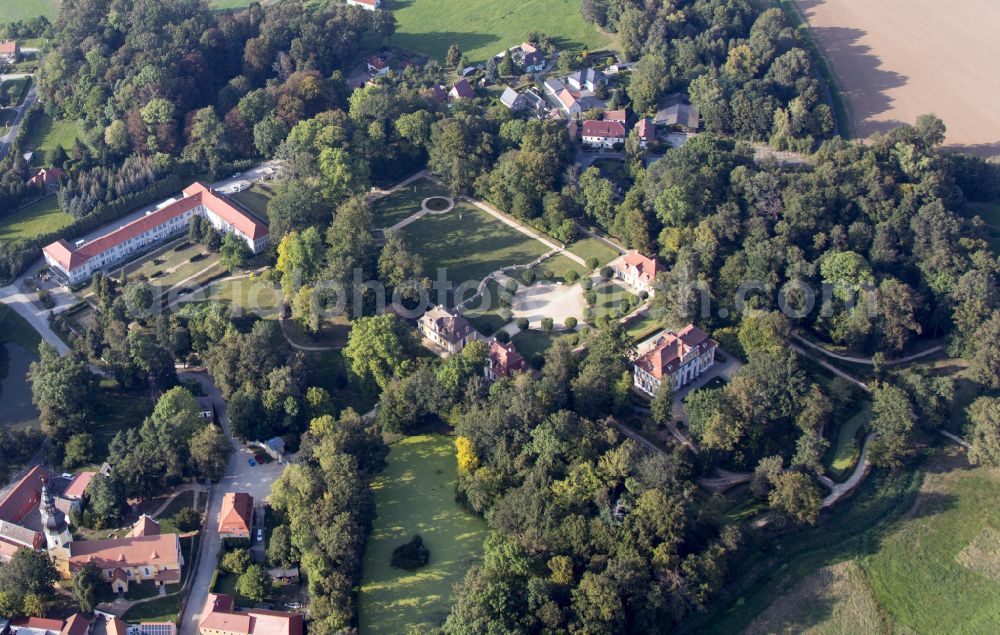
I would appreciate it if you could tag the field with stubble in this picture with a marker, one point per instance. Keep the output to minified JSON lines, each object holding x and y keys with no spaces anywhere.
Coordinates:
{"x":897,"y":59}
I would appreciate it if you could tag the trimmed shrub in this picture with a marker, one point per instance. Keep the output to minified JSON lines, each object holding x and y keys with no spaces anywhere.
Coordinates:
{"x":574,"y":339}
{"x":591,"y":298}
{"x":588,"y":283}
{"x":607,"y":272}
{"x":410,"y":556}
{"x":572,"y":276}
{"x":528,"y":276}
{"x":522,"y":324}
{"x":502,"y":336}
{"x":571,"y":322}
{"x":548,"y":274}
{"x":505,"y":314}
{"x":547,"y":324}
{"x":626,"y":306}
{"x":593,"y":262}
{"x":643,"y":295}
{"x":588,"y":314}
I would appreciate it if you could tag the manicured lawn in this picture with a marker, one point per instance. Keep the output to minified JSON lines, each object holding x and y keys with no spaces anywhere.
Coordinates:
{"x":469,"y":244}
{"x":845,"y":453}
{"x":483,"y":28}
{"x":41,"y":217}
{"x":610,"y":296}
{"x":165,"y":268}
{"x":257,"y":297}
{"x":588,"y":248}
{"x":487,"y":319}
{"x":46,"y":134}
{"x":255,"y":199}
{"x":416,"y":495}
{"x":643,"y":328}
{"x":7,"y":117}
{"x":404,"y":202}
{"x":557,"y":267}
{"x":14,"y":328}
{"x":231,"y":4}
{"x":531,"y":343}
{"x":11,"y":10}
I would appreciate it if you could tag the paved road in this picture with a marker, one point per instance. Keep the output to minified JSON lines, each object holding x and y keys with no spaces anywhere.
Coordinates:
{"x":239,"y":477}
{"x":6,"y":140}
{"x":838,"y":490}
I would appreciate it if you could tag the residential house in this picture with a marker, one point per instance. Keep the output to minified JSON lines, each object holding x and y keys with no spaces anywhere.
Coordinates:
{"x":531,"y":59}
{"x":124,"y":561}
{"x":220,"y":617}
{"x":10,"y":52}
{"x":676,"y":357}
{"x":369,"y":5}
{"x":206,"y":408}
{"x":101,"y":624}
{"x":646,"y":130}
{"x":534,"y":101}
{"x":377,"y":65}
{"x":503,"y":360}
{"x":461,"y":90}
{"x":569,"y":103}
{"x":447,"y":329}
{"x":602,"y":134}
{"x":681,"y":117}
{"x":615,"y":115}
{"x":585,"y":79}
{"x":47,"y":180}
{"x":436,"y":93}
{"x":621,"y":67}
{"x":76,"y":263}
{"x":20,"y":501}
{"x":275,"y":448}
{"x":553,"y":87}
{"x":637,"y":271}
{"x":236,"y":518}
{"x":512,"y":100}
{"x":76,"y":489}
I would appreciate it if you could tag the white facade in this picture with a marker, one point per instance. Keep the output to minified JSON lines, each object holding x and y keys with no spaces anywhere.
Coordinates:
{"x":601,"y":142}
{"x":370,"y":5}
{"x":692,"y":366}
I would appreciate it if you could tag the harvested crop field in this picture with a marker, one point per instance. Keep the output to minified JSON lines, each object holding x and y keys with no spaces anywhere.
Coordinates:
{"x":897,"y":59}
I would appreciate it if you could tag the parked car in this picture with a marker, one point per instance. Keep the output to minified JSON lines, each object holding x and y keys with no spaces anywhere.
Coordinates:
{"x":67,"y":476}
{"x":260,"y":535}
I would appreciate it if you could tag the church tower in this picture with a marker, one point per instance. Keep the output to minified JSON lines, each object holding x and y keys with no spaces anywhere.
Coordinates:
{"x":57,"y":534}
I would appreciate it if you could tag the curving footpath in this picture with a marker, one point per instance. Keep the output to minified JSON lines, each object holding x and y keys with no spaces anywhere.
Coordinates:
{"x":867,"y":361}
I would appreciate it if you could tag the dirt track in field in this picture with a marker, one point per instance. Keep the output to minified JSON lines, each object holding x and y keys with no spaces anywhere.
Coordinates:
{"x":897,"y":59}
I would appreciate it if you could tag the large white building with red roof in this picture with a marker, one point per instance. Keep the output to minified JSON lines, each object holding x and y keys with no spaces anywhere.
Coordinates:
{"x":76,"y":263}
{"x":602,"y":134}
{"x":677,"y":357}
{"x":637,"y":271}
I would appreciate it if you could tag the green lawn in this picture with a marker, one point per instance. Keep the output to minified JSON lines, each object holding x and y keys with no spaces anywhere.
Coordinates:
{"x":231,"y":4}
{"x":588,"y":248}
{"x":46,"y":134}
{"x":469,"y":244}
{"x":404,"y":202}
{"x":610,"y":298}
{"x":531,"y":343}
{"x":7,"y":117}
{"x":416,"y":495}
{"x":557,"y":267}
{"x":166,"y":268}
{"x":643,"y":328}
{"x":845,"y":453}
{"x":257,"y":297}
{"x":487,"y":319}
{"x":255,"y":199}
{"x":41,"y":217}
{"x":14,"y":328}
{"x":483,"y":28}
{"x":16,"y":90}
{"x":11,"y":10}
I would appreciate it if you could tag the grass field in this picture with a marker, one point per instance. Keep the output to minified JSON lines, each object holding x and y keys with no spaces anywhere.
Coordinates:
{"x":610,"y":298}
{"x":486,"y":318}
{"x":404,"y":202}
{"x":45,"y":135}
{"x":41,"y":217}
{"x":936,"y":571}
{"x":557,"y":267}
{"x":416,"y":495}
{"x":255,"y":199}
{"x":845,"y":452}
{"x":14,"y":328}
{"x":11,"y":10}
{"x":531,"y":343}
{"x":588,"y":248}
{"x":469,"y":243}
{"x":483,"y":28}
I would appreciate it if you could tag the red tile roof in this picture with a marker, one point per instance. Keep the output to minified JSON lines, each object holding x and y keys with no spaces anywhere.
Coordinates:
{"x":505,"y":359}
{"x":24,"y":496}
{"x":76,"y":625}
{"x":605,"y":129}
{"x":237,"y":513}
{"x":645,"y":268}
{"x":377,"y":62}
{"x":645,"y":127}
{"x":566,"y":98}
{"x":145,"y":526}
{"x":162,"y":550}
{"x":44,"y":177}
{"x":78,"y":486}
{"x":665,"y":358}
{"x":219,"y":614}
{"x":40,"y":623}
{"x":8,"y":47}
{"x":194,"y":195}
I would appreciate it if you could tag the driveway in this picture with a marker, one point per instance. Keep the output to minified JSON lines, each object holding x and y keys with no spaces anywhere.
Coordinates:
{"x":29,"y":100}
{"x":239,"y":477}
{"x":549,"y":299}
{"x":21,"y":299}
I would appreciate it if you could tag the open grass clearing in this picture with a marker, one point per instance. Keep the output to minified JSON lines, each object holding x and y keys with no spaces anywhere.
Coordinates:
{"x":41,"y":217}
{"x":416,"y":495}
{"x":11,"y":10}
{"x":531,"y":343}
{"x":483,"y":28}
{"x":47,"y":134}
{"x":588,"y":248}
{"x":469,"y":244}
{"x":404,"y":202}
{"x":989,"y":212}
{"x":557,"y":268}
{"x":613,"y":299}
